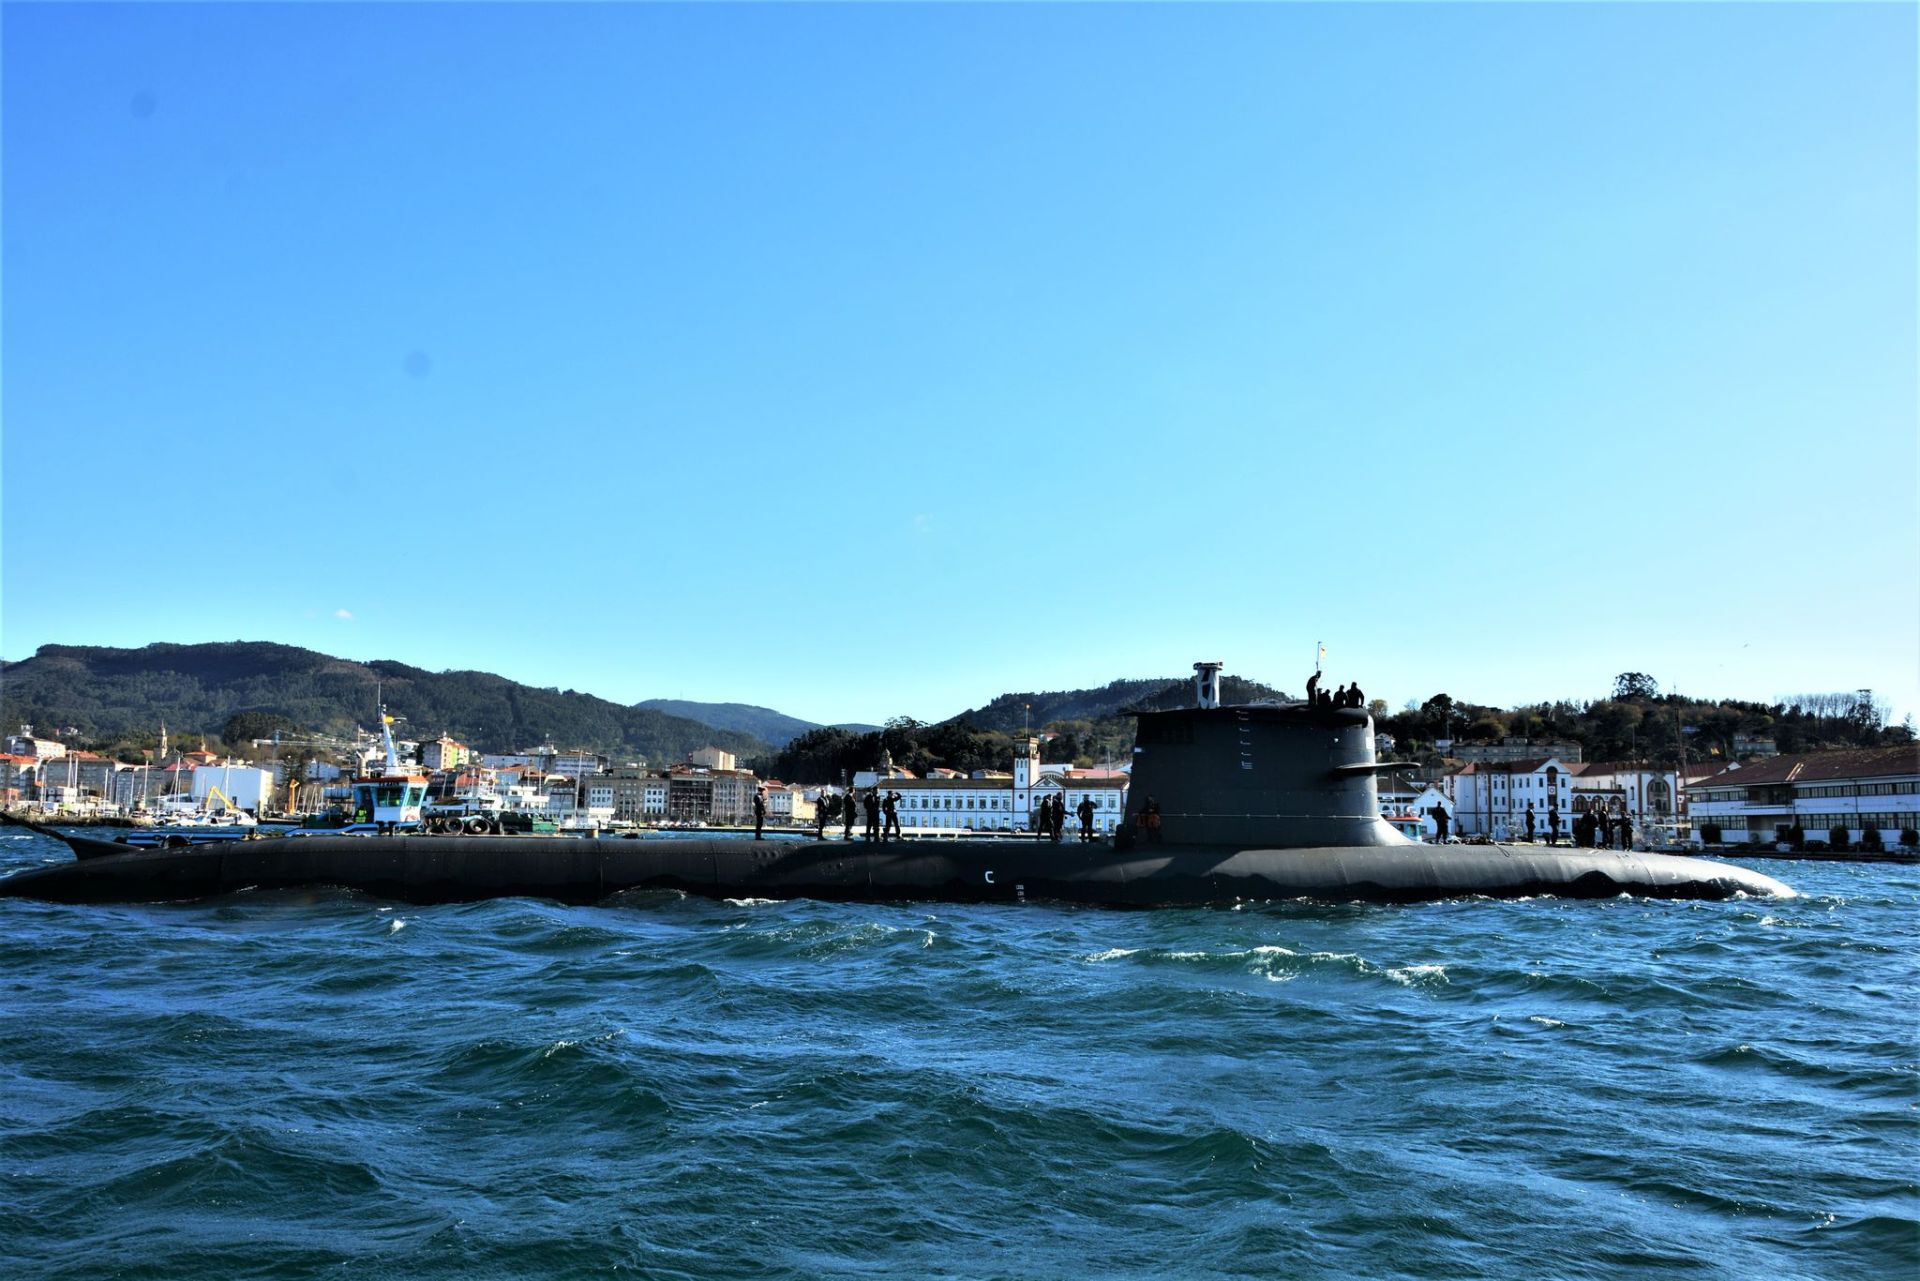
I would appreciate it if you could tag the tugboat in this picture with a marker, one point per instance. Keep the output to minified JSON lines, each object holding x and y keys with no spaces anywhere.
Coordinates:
{"x":392,"y":802}
{"x":1228,"y":805}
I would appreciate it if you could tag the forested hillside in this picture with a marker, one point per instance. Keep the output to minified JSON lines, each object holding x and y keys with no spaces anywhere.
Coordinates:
{"x":116,"y":700}
{"x":762,"y":723}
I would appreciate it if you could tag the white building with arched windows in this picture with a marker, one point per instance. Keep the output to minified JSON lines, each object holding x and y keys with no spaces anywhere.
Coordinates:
{"x":994,"y":802}
{"x":1491,"y":798}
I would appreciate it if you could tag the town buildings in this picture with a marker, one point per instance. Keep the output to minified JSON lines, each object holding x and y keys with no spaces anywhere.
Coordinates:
{"x":1874,"y":788}
{"x":1492,"y":798}
{"x":444,"y":753}
{"x":990,"y":801}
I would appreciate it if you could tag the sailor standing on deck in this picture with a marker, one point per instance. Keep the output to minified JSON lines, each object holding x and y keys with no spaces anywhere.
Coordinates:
{"x":849,"y":810}
{"x":890,"y":810}
{"x":760,"y":814}
{"x":872,"y":802}
{"x":1085,"y":810}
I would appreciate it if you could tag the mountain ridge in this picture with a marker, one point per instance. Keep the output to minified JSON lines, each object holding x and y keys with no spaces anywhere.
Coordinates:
{"x":109,"y":694}
{"x":774,"y":727}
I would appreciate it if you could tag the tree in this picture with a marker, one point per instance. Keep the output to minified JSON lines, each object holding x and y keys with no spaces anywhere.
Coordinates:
{"x":242,"y":727}
{"x":1866,"y":716}
{"x":1635,"y":685}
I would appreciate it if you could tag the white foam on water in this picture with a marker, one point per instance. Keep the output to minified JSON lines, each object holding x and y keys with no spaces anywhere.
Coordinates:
{"x":1411,"y":975}
{"x":752,"y":902}
{"x":396,"y":925}
{"x":1111,"y":954}
{"x":1544,"y":1021}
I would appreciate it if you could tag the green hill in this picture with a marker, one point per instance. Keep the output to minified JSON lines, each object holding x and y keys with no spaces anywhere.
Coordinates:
{"x":119,"y":697}
{"x":763,"y":723}
{"x":1009,"y":712}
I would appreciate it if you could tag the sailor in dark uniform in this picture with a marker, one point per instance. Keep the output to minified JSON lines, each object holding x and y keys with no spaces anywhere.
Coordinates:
{"x":760,"y":815}
{"x":1085,"y":810}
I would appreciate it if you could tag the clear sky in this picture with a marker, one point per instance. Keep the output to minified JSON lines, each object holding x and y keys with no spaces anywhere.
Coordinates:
{"x":867,"y":360}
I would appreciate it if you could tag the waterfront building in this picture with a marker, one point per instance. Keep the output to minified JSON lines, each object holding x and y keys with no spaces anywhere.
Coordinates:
{"x":80,"y":775}
{"x":133,"y":784}
{"x":637,"y":794}
{"x":246,"y":787}
{"x":597,"y":791}
{"x":1490,"y":798}
{"x":689,"y":794}
{"x":780,"y":799}
{"x":733,"y":791}
{"x":1648,"y":793}
{"x":1858,"y":789}
{"x":19,"y":776}
{"x":989,"y":800}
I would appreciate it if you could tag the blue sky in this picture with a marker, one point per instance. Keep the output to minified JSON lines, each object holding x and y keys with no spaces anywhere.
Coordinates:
{"x":874,"y":360}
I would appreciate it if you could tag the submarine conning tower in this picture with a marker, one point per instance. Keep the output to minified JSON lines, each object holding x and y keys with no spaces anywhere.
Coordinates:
{"x":1270,"y":775}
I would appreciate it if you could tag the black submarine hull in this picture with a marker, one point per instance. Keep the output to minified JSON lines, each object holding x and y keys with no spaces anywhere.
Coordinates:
{"x":446,"y":869}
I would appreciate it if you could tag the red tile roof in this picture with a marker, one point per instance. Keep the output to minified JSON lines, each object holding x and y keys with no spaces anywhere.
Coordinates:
{"x":1813,"y":767}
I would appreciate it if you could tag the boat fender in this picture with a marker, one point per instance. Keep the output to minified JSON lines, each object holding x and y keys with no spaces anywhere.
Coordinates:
{"x":476,"y":827}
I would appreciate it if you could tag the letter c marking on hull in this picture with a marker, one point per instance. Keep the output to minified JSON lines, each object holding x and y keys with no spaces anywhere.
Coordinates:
{"x":989,"y":876}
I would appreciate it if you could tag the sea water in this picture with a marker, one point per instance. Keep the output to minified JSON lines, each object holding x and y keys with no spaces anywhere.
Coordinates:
{"x":325,"y":1084}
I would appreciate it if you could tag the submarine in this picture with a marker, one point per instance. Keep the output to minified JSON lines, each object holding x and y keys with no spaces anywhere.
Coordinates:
{"x":1254,"y":802}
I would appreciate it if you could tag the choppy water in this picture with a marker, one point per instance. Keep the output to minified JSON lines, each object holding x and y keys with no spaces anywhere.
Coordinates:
{"x":290,"y":1085}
